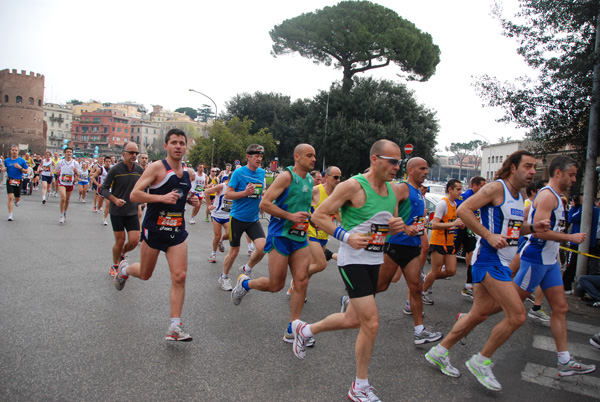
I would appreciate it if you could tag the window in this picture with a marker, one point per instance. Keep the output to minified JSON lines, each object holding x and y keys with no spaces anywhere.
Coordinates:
{"x":118,"y":129}
{"x":488,"y":159}
{"x":84,"y":138}
{"x":39,"y":102}
{"x":30,"y":101}
{"x":45,"y":113}
{"x":118,"y":138}
{"x":113,"y":137}
{"x":6,"y":98}
{"x":19,"y":99}
{"x":105,"y":130}
{"x":500,"y":159}
{"x":126,"y":130}
{"x":84,"y":129}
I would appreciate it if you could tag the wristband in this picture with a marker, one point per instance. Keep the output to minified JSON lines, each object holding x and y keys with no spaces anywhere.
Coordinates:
{"x":341,"y":234}
{"x":531,"y":228}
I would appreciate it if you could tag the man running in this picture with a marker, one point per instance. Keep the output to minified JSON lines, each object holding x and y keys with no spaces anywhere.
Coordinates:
{"x":288,"y":202}
{"x":465,"y":238}
{"x":164,"y":226}
{"x":368,"y":205}
{"x":198,"y":187}
{"x":211,"y":181}
{"x":68,"y":171}
{"x":539,"y":266}
{"x":14,"y":167}
{"x":501,"y":205}
{"x":117,"y":187}
{"x":444,"y":225}
{"x":84,"y":180}
{"x":245,"y":188}
{"x":97,"y":177}
{"x":402,"y":251}
{"x":46,"y":168}
{"x":219,"y":213}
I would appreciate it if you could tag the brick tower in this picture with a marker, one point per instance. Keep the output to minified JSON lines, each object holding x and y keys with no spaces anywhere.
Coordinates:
{"x":21,"y":111}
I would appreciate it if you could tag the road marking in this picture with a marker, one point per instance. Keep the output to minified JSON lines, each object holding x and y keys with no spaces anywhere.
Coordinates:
{"x":587,"y":385}
{"x":578,"y":327}
{"x":586,"y":351}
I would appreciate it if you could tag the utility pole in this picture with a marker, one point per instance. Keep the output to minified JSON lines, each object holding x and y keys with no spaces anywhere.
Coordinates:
{"x":589,"y":179}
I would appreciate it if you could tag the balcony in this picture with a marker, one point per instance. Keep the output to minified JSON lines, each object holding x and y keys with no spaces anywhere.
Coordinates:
{"x":57,"y":119}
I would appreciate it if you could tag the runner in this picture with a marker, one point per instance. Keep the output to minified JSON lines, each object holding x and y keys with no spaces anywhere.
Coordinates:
{"x":225,"y":174}
{"x":46,"y":168}
{"x":117,"y":187}
{"x":143,"y":162}
{"x":97,"y":178}
{"x":219,"y":213}
{"x":501,"y":204}
{"x":317,"y":177}
{"x":444,"y":225}
{"x":211,"y":181}
{"x":317,"y":239}
{"x":245,"y":188}
{"x":368,"y":205}
{"x":288,"y":201}
{"x":466,"y":238}
{"x":198,"y":187}
{"x":55,"y":159}
{"x":68,"y":171}
{"x":539,"y":265}
{"x":164,"y":226}
{"x":14,"y":167}
{"x":402,"y":251}
{"x":84,"y":180}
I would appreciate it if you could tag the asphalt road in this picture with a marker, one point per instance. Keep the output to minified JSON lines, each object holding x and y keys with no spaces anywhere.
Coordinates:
{"x":69,"y":335}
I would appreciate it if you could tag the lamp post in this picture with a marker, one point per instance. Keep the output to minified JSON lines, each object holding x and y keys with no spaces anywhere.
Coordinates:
{"x":215,"y":103}
{"x":491,"y":152}
{"x":212,"y":156}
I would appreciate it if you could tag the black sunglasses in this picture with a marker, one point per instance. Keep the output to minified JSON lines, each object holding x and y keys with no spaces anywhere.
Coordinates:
{"x":337,"y":177}
{"x":132,"y":152}
{"x":392,"y":161}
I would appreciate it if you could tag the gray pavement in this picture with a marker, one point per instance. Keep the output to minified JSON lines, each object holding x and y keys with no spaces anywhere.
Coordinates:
{"x":68,"y":335}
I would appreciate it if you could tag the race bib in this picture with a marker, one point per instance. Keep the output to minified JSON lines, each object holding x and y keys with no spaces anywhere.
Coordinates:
{"x":514,"y":231}
{"x":170,"y":222}
{"x":226,"y":205}
{"x":66,"y":178}
{"x":14,"y":182}
{"x":419,"y":223}
{"x":451,"y":231}
{"x":258,"y":189}
{"x":199,"y":189}
{"x":299,"y":229}
{"x":377,"y":236}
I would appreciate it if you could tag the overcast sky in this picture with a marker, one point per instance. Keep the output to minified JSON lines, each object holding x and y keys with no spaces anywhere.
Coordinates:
{"x":153,"y":51}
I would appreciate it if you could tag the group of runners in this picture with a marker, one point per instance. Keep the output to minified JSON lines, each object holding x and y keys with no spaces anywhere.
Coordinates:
{"x":381,"y":228}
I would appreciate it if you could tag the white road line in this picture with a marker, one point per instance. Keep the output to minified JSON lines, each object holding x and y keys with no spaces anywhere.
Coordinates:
{"x":578,"y":327}
{"x":588,"y":384}
{"x":585,"y":351}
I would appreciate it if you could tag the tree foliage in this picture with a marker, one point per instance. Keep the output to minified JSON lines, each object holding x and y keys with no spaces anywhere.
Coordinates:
{"x":190,"y":111}
{"x":231,"y":139}
{"x":556,"y":37}
{"x":462,"y":150}
{"x":357,"y":36}
{"x":75,"y":102}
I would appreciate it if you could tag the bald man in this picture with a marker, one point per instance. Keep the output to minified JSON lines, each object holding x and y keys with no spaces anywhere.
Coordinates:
{"x":402,"y":251}
{"x":288,"y":202}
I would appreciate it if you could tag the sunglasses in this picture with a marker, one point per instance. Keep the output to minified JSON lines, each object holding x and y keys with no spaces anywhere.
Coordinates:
{"x":255,"y":153}
{"x":392,"y":161}
{"x":132,"y":152}
{"x":337,"y":177}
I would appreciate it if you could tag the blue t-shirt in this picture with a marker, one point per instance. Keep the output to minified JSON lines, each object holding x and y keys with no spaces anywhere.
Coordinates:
{"x":463,"y":197}
{"x":246,"y":209}
{"x":11,"y":171}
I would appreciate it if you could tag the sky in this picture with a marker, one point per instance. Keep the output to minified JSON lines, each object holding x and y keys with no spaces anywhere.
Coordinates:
{"x":152,"y":52}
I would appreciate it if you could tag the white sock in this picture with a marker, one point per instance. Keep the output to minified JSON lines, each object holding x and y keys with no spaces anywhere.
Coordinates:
{"x":564,"y":357}
{"x":440,"y":350}
{"x":361,"y":384}
{"x":419,"y":329}
{"x":482,"y":359}
{"x":175,"y":321}
{"x":124,"y":272}
{"x":224,"y":276}
{"x":306,"y":332}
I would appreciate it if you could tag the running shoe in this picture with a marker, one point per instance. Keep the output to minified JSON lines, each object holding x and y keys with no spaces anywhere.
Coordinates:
{"x":427,"y":337}
{"x":442,"y":361}
{"x":10,"y":217}
{"x":94,"y":209}
{"x":344,"y":301}
{"x":483,"y":373}
{"x":538,"y":315}
{"x":568,"y":292}
{"x":119,"y":280}
{"x":250,"y":253}
{"x":299,"y":346}
{"x":225,"y":283}
{"x":192,"y":221}
{"x":177,"y":334}
{"x":104,"y":222}
{"x":61,"y":220}
{"x":207,"y":219}
{"x":595,"y":340}
{"x":288,"y":337}
{"x":530,"y":298}
{"x":238,"y":292}
{"x":122,"y":257}
{"x":363,"y":395}
{"x":290,"y":289}
{"x":407,"y":310}
{"x":243,"y":271}
{"x":17,"y":203}
{"x":328,"y":254}
{"x":593,"y":304}
{"x":574,"y":367}
{"x":221,"y":246}
{"x":55,"y":194}
{"x":113,"y":270}
{"x":212,"y":258}
{"x":43,"y":201}
{"x":427,"y":300}
{"x":468,"y":293}
{"x":83,"y":201}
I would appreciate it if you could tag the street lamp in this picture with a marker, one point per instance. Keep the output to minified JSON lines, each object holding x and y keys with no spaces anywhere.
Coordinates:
{"x":215,"y":103}
{"x":212,"y":156}
{"x":492,"y":153}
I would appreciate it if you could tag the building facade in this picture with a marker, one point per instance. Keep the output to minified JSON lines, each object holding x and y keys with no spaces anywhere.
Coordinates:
{"x":21,"y":111}
{"x":108,"y":130}
{"x":58,"y":120}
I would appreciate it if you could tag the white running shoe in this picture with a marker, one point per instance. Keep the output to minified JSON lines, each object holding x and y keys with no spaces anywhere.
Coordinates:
{"x":225,"y":283}
{"x":212,"y":258}
{"x":192,"y":221}
{"x":238,"y":292}
{"x":178,"y":334}
{"x":442,"y":362}
{"x":299,"y":345}
{"x":362,"y":395}
{"x":62,"y":219}
{"x":10,"y":217}
{"x":483,"y":373}
{"x":104,"y":222}
{"x":221,"y":246}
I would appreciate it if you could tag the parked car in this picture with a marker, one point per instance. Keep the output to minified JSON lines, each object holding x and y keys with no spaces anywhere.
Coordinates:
{"x":431,"y":201}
